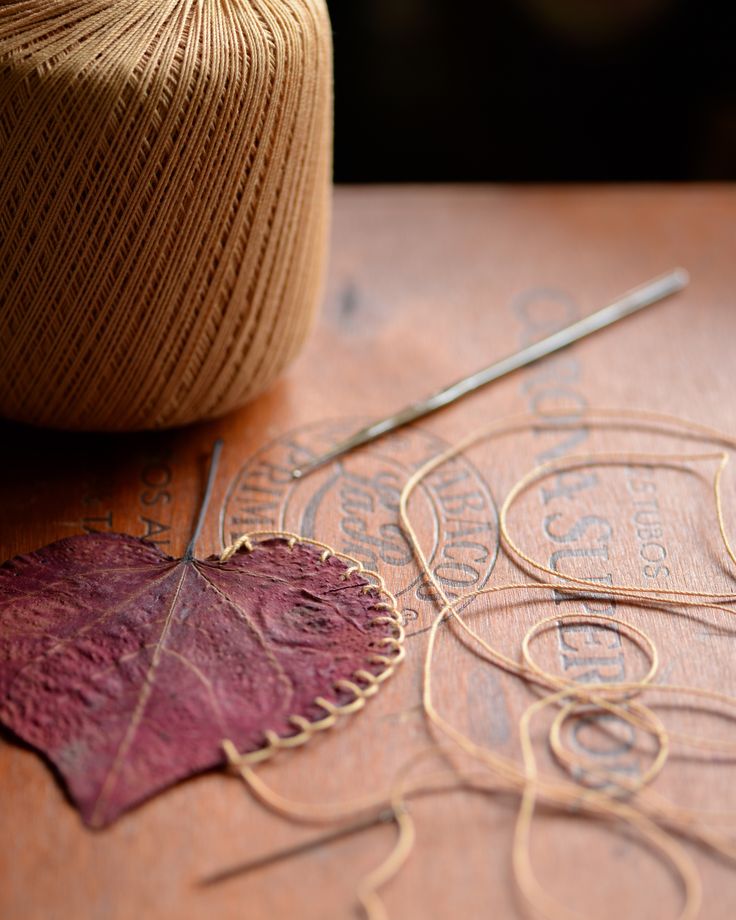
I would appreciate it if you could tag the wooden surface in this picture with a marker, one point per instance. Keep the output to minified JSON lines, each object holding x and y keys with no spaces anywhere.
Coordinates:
{"x":426,"y":285}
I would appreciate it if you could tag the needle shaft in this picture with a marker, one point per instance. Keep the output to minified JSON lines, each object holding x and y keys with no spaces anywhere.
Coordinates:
{"x":290,"y":852}
{"x":632,"y":301}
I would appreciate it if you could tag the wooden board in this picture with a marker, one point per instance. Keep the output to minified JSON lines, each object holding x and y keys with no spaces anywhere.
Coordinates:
{"x":425,"y":286}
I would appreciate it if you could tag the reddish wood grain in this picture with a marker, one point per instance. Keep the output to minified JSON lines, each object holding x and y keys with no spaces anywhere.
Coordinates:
{"x":426,"y":285}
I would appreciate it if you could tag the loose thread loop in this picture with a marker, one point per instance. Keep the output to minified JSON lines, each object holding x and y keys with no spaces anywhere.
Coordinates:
{"x":588,"y":789}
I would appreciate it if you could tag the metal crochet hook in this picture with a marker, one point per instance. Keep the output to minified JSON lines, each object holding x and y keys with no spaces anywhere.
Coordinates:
{"x":632,"y":301}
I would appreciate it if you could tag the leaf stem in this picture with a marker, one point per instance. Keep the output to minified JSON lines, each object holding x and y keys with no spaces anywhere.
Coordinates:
{"x":211,"y":475}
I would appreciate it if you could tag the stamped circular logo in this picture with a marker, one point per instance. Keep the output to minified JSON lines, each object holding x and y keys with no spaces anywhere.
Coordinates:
{"x":353,"y":505}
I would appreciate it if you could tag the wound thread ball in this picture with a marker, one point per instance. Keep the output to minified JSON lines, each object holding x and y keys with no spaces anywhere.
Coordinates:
{"x":164,"y":204}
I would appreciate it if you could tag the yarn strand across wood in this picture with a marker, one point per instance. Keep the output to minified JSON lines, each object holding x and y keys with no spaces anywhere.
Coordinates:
{"x":623,"y":803}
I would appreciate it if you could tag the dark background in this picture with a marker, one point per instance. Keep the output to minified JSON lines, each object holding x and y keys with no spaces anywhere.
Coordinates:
{"x":534,"y":90}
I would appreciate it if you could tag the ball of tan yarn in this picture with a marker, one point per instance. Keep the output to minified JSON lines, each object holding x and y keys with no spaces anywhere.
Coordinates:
{"x":164,"y":203}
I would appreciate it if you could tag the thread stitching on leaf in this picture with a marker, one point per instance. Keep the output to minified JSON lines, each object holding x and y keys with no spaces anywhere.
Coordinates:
{"x":364,"y":683}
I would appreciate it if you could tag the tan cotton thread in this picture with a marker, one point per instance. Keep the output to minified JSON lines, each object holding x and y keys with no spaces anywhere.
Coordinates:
{"x":164,"y":204}
{"x":625,"y":802}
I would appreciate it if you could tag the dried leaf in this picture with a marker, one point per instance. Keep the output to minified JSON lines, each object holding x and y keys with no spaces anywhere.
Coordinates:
{"x":127,"y":668}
